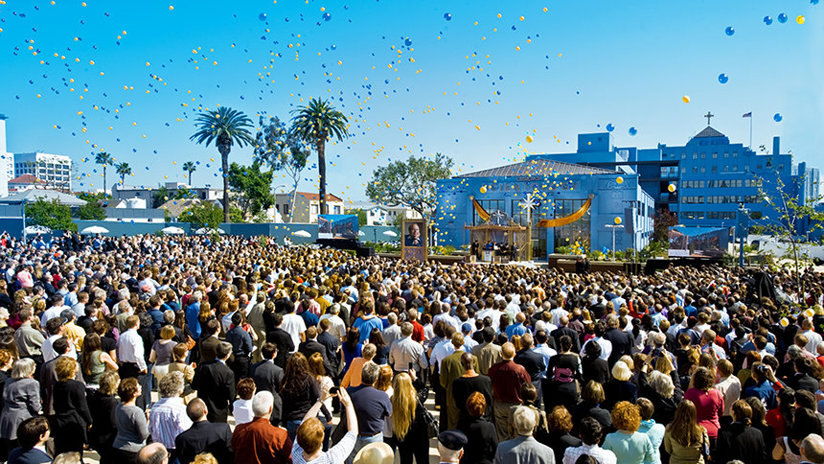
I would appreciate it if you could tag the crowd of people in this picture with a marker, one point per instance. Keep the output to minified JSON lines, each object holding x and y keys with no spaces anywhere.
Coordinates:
{"x":151,"y":349}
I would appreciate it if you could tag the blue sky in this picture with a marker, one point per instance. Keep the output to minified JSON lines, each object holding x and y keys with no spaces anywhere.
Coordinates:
{"x":473,"y":91}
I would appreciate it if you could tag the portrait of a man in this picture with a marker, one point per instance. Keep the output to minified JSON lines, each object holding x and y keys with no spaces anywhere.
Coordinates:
{"x":413,"y":235}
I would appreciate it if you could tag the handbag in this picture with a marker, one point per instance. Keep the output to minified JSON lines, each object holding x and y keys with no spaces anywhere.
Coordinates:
{"x":432,"y":426}
{"x":190,"y":342}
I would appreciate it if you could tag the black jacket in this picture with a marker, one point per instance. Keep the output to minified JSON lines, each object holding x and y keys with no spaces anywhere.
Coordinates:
{"x":310,"y":347}
{"x":215,"y":385}
{"x":561,"y":331}
{"x":533,"y":363}
{"x":621,"y":344}
{"x":331,"y":343}
{"x":283,"y":341}
{"x":738,"y":441}
{"x":205,"y":437}
{"x":268,"y":376}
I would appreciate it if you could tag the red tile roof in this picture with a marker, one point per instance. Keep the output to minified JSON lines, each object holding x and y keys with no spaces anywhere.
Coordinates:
{"x":315,"y":196}
{"x":26,"y":179}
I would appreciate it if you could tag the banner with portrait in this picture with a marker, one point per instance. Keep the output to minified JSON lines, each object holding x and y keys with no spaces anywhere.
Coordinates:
{"x":413,"y":242}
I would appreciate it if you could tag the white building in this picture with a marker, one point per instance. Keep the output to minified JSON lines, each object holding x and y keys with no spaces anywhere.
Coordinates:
{"x":307,"y":206}
{"x":54,"y":170}
{"x":383,"y":215}
{"x":6,"y":160}
{"x":126,"y":192}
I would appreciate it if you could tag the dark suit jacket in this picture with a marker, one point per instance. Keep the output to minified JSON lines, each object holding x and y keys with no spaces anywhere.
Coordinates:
{"x":268,"y":376}
{"x":32,"y":456}
{"x":283,"y":341}
{"x":208,"y":349}
{"x":621,"y":344}
{"x":561,"y":331}
{"x":47,"y":380}
{"x":310,"y":347}
{"x":215,"y":385}
{"x":205,"y":437}
{"x":532,"y":362}
{"x":331,"y":343}
{"x":739,"y":442}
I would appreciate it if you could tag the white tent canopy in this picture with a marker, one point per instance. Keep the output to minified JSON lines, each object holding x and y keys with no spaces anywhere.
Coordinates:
{"x":302,"y":233}
{"x":390,"y":233}
{"x":172,"y":230}
{"x":32,"y":230}
{"x":207,"y":230}
{"x":94,"y":230}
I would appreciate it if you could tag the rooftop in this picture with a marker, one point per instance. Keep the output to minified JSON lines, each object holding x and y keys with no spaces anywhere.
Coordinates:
{"x":708,"y":132}
{"x":315,"y":196}
{"x":26,"y":179}
{"x":537,"y":167}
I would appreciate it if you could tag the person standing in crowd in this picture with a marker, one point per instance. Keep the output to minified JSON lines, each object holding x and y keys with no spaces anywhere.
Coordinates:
{"x":130,"y":355}
{"x":299,"y":391}
{"x":32,"y":434}
{"x":132,"y":427}
{"x":471,"y":382}
{"x":487,"y":353}
{"x":626,"y":442}
{"x":406,"y":353}
{"x":102,"y":406}
{"x":740,"y":440}
{"x":215,"y":384}
{"x":242,"y":347}
{"x":308,"y":446}
{"x":709,"y":403}
{"x":523,"y":448}
{"x":482,"y":439}
{"x":259,"y":442}
{"x":72,"y":417}
{"x":204,"y":436}
{"x":684,"y":440}
{"x":372,"y":407}
{"x":408,"y":425}
{"x":590,"y":432}
{"x":168,"y":417}
{"x":21,"y":401}
{"x":507,"y":379}
{"x":451,"y":370}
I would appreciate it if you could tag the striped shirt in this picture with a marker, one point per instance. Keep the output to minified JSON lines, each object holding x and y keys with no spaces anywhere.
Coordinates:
{"x":167,"y":420}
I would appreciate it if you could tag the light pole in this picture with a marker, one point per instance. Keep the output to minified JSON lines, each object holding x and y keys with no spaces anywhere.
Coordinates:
{"x":23,"y":203}
{"x":615,"y":226}
{"x":742,"y":227}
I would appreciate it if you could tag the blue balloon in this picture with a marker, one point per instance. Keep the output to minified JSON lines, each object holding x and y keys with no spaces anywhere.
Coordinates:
{"x":262,"y":16}
{"x":408,"y":42}
{"x":610,"y":127}
{"x":729,"y":30}
{"x":777,"y":117}
{"x":723,"y":78}
{"x":447,"y":16}
{"x":814,"y":2}
{"x":327,"y":16}
{"x":633,"y":131}
{"x":768,"y":20}
{"x":782,"y":18}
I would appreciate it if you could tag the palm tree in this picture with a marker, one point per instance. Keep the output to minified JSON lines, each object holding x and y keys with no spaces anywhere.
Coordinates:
{"x":189,"y":167}
{"x":224,"y":127}
{"x":316,"y":123}
{"x":105,"y":159}
{"x":123,"y":170}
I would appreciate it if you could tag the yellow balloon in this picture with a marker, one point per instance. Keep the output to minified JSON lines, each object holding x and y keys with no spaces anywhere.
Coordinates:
{"x":685,"y":98}
{"x":617,"y":220}
{"x":800,"y":19}
{"x":671,"y":188}
{"x":529,"y":139}
{"x":619,"y":180}
{"x":483,"y":189}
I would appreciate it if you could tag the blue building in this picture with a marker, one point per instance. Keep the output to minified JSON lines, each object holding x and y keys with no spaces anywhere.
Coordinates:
{"x":560,"y":189}
{"x":703,"y":182}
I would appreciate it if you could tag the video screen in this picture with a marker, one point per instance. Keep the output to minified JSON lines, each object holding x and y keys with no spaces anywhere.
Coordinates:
{"x":698,"y":242}
{"x":414,"y":240}
{"x":339,"y":226}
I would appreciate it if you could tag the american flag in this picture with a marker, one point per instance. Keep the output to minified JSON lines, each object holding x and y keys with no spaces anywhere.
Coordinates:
{"x":747,"y":115}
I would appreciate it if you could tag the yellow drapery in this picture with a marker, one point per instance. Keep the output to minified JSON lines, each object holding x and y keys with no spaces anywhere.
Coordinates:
{"x":481,"y":211}
{"x":562,"y":221}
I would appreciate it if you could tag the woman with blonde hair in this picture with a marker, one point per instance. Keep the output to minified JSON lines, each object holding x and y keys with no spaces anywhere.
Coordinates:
{"x":620,"y":387}
{"x":408,"y":424}
{"x":685,"y":440}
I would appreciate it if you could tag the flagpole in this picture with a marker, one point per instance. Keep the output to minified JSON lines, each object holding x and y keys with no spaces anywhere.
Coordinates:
{"x":750,"y":130}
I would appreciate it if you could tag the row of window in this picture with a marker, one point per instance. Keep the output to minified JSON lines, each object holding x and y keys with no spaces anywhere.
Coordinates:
{"x":719,"y":199}
{"x":703,"y":155}
{"x":708,"y":215}
{"x":721,"y":183}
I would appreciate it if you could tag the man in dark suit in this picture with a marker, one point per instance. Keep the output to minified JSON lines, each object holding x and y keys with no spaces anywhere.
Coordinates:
{"x":204,"y":436}
{"x":207,"y":345}
{"x":32,"y":434}
{"x":332,"y":345}
{"x":621,"y":341}
{"x":564,"y":329}
{"x":268,"y":376}
{"x":532,"y":361}
{"x":281,"y":339}
{"x":215,"y":384}
{"x":312,"y":346}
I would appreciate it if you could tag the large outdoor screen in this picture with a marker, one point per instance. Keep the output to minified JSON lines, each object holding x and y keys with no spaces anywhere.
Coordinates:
{"x":341,"y":226}
{"x":698,"y":242}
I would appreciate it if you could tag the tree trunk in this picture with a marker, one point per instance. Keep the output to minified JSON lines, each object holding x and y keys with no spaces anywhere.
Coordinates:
{"x":321,"y":147}
{"x":294,"y":197}
{"x":104,"y":180}
{"x":224,"y":160}
{"x":190,"y":178}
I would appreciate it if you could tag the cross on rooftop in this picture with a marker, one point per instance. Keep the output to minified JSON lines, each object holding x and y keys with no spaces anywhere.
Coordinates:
{"x":709,"y":116}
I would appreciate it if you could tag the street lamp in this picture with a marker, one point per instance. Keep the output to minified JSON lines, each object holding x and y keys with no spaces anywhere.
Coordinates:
{"x":615,"y":226}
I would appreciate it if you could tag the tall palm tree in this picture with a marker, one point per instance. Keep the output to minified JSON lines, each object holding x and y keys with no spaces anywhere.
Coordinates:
{"x":105,"y":159}
{"x":224,"y":127}
{"x":189,"y":167}
{"x":123,"y":170}
{"x":316,"y":123}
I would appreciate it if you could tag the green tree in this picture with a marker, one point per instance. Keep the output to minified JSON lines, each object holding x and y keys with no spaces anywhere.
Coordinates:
{"x":123,"y":170}
{"x":103,"y":158}
{"x":361,"y":215}
{"x":317,"y":123}
{"x":252,"y":186}
{"x":50,"y":214}
{"x":409,"y":183}
{"x":91,"y":211}
{"x":203,"y":214}
{"x":236,"y":215}
{"x":661,"y":222}
{"x":282,"y":150}
{"x":160,"y":196}
{"x":224,"y":127}
{"x":189,"y":167}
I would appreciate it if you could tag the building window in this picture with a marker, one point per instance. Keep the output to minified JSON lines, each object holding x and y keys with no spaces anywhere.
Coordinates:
{"x":314,"y":209}
{"x":578,"y":231}
{"x":703,"y":169}
{"x":715,"y":155}
{"x":715,"y":168}
{"x":683,"y":156}
{"x":726,"y":154}
{"x":734,"y":168}
{"x":735,"y":154}
{"x":703,"y":155}
{"x":694,"y":156}
{"x":490,"y":206}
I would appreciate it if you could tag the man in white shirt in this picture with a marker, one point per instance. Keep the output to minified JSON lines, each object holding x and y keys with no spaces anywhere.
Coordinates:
{"x":294,"y":326}
{"x":54,"y":310}
{"x":130,"y":351}
{"x":55,"y":330}
{"x":813,"y":339}
{"x":338,"y":327}
{"x":728,"y":385}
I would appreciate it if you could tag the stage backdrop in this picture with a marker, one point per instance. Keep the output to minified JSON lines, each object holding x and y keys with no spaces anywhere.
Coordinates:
{"x":698,"y":242}
{"x":342,"y":226}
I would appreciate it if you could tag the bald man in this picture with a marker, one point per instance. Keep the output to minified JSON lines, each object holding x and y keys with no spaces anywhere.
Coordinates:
{"x":812,"y":449}
{"x":153,"y":453}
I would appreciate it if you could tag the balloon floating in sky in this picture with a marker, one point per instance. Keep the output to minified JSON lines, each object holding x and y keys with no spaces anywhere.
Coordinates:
{"x":800,"y":19}
{"x":777,"y":117}
{"x":408,"y":42}
{"x":327,"y":16}
{"x":723,"y":78}
{"x":729,"y":31}
{"x":768,"y":20}
{"x":633,"y":131}
{"x":447,"y":16}
{"x":529,"y":139}
{"x":610,"y":127}
{"x":782,"y":18}
{"x":685,"y":98}
{"x":617,"y":220}
{"x":262,"y":16}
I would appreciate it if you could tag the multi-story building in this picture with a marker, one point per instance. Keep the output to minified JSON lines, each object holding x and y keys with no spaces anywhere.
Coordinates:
{"x":126,"y":192}
{"x":383,"y":215}
{"x":307,"y":206}
{"x":6,"y":160}
{"x":54,"y":170}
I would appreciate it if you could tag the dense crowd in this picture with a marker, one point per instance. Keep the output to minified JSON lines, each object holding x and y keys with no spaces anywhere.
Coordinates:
{"x":526,"y":365}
